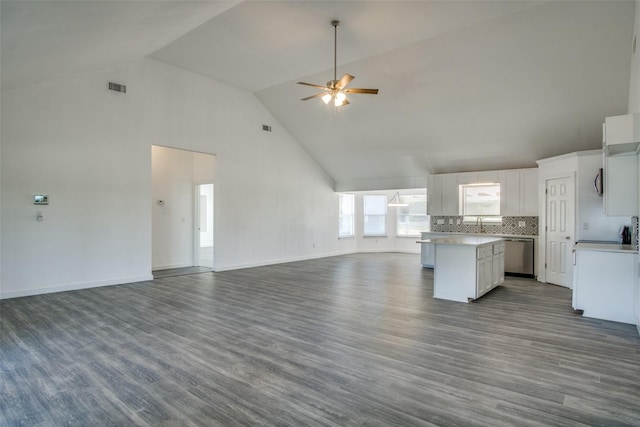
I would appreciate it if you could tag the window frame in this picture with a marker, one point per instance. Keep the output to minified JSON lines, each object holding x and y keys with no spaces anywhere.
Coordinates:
{"x":365,"y":215}
{"x":403,"y":197}
{"x":341,"y":216}
{"x":473,"y":217}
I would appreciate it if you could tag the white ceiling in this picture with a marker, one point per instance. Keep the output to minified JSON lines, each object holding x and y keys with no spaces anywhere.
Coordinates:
{"x":464,"y":85}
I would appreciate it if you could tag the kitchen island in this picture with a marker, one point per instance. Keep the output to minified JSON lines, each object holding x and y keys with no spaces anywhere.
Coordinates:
{"x":466,"y":267}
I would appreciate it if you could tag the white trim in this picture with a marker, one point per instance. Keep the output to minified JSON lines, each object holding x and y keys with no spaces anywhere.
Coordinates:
{"x":74,"y":286}
{"x":281,"y":261}
{"x":170,"y":266}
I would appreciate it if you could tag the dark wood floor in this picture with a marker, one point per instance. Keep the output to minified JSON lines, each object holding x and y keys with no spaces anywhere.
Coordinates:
{"x":342,"y":341}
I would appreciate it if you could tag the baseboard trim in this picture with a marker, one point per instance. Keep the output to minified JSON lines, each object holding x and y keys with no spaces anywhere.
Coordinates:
{"x":169,"y":266}
{"x":279,"y":261}
{"x":74,"y":286}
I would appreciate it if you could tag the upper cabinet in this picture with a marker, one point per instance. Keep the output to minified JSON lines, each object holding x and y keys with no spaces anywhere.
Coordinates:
{"x":518,"y":191}
{"x":621,"y":134}
{"x":620,"y":140}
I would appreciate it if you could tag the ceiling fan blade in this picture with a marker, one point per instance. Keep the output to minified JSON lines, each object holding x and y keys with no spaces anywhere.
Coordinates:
{"x":312,"y":85}
{"x":359,"y":90}
{"x":317,"y":95}
{"x":344,"y":81}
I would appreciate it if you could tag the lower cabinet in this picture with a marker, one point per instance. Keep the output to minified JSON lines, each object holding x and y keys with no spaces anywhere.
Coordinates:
{"x":489,"y":268}
{"x":497,"y":267}
{"x":466,"y":269}
{"x":605,"y":284}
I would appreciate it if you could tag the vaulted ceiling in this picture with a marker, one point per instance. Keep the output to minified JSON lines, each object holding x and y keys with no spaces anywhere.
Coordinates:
{"x":464,"y":85}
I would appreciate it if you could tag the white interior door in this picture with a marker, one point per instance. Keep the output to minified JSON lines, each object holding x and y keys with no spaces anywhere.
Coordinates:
{"x":204,"y":237}
{"x":560,"y":208}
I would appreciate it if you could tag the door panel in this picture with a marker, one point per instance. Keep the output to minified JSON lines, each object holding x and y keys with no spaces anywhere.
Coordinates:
{"x":559,"y":231}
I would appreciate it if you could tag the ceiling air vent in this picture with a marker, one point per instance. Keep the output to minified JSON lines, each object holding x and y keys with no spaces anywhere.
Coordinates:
{"x":117,"y":87}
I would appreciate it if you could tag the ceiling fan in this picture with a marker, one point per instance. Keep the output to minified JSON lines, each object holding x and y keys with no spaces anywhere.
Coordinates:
{"x":336,"y":90}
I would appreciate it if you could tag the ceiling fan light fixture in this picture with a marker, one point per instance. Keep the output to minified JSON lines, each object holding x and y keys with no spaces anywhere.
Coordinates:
{"x":396,"y":201}
{"x":335,"y":89}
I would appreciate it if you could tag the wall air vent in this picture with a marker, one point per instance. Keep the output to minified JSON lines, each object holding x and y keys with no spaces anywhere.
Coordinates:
{"x":266,"y":128}
{"x":117,"y":87}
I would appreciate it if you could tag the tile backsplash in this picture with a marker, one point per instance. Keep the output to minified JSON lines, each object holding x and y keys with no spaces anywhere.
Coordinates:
{"x":510,"y":225}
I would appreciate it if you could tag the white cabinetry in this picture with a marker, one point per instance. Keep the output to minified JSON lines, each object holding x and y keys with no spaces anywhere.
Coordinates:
{"x":621,"y":185}
{"x":484,"y":273}
{"x":497,"y":267}
{"x":434,"y":195}
{"x":604,"y":284}
{"x":464,"y":267}
{"x":518,"y":192}
{"x":620,"y":139}
{"x":450,"y":194}
{"x":443,"y":194}
{"x":529,"y":192}
{"x":621,"y":134}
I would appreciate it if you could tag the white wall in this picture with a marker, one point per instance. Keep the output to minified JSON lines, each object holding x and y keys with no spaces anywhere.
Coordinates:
{"x":90,"y":150}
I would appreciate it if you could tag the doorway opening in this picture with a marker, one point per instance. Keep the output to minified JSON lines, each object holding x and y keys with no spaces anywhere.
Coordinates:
{"x":182,"y":211}
{"x":203,"y":230}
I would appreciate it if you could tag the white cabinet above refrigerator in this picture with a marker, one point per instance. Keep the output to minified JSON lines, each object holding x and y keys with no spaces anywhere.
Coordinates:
{"x":621,"y":134}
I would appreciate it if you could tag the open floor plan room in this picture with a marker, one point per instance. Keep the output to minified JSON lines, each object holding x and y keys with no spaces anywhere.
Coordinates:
{"x":339,"y":341}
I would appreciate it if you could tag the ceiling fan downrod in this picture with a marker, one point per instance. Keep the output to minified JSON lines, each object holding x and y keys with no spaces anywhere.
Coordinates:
{"x":335,"y":24}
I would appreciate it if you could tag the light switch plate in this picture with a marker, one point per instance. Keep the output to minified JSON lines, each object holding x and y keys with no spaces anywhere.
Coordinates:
{"x":522,"y":224}
{"x":440,"y":221}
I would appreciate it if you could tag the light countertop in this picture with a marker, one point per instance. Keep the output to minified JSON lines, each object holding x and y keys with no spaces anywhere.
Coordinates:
{"x":463,"y":239}
{"x":440,"y":233}
{"x":605,"y":247}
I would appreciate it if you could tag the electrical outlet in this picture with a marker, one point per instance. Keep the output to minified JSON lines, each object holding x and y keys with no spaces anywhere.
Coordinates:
{"x":450,"y":221}
{"x":585,"y":226}
{"x":522,"y":224}
{"x":440,"y":221}
{"x":458,"y":221}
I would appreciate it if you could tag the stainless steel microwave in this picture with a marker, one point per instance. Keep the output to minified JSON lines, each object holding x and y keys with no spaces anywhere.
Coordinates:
{"x":598,"y":183}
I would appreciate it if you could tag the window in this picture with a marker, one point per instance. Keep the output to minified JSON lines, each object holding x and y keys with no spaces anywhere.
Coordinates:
{"x":412,"y":219}
{"x":375,"y":215}
{"x":480,"y":200}
{"x":346,"y":221}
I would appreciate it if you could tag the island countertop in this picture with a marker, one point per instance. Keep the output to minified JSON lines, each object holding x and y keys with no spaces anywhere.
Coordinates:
{"x":462,"y":240}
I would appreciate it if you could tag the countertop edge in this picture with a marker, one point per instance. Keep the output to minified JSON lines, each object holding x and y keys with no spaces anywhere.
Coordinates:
{"x":604,"y":247}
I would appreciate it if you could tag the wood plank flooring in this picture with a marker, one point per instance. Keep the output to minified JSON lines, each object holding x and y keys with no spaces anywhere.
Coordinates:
{"x":354,"y":340}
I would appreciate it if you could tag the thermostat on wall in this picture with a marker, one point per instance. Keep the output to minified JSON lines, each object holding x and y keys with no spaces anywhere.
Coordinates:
{"x":40,"y":199}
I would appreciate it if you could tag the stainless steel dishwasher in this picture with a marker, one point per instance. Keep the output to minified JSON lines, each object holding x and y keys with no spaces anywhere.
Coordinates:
{"x":519,"y":256}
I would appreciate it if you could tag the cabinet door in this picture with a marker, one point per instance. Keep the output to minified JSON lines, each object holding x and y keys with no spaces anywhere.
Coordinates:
{"x":495,"y":270}
{"x":501,"y":269}
{"x":483,"y":270}
{"x":450,"y":194}
{"x":621,"y":185}
{"x":467,"y":178}
{"x":488,"y":177}
{"x":529,"y":192}
{"x":509,"y":193}
{"x":434,"y":195}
